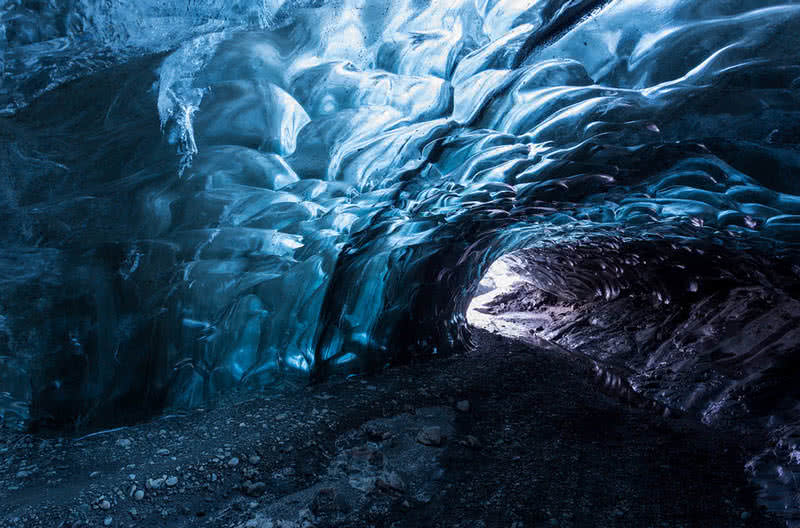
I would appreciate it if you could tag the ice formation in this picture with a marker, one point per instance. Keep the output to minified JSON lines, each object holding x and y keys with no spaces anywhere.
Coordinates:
{"x":199,"y":196}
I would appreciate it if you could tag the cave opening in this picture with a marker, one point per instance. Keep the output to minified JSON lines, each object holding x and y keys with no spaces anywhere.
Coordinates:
{"x":508,"y":302}
{"x":693,"y":328}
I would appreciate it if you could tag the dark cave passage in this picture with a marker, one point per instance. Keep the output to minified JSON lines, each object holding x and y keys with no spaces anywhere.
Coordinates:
{"x":698,"y":329}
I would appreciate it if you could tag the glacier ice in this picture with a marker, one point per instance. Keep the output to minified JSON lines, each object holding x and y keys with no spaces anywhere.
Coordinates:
{"x":210,"y":195}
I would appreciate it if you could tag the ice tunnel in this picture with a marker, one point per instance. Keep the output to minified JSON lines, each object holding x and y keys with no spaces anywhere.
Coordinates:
{"x":201,"y":197}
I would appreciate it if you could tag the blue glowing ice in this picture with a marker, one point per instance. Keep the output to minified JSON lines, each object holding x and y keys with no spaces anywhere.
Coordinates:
{"x":199,"y":196}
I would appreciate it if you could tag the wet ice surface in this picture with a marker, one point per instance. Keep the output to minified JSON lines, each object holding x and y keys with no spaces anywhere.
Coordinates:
{"x":217,"y":195}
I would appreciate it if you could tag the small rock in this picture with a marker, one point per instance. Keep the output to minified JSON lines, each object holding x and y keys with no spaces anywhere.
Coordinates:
{"x":255,"y":489}
{"x":107,"y":521}
{"x":391,"y":482}
{"x":154,"y":483}
{"x":376,"y":433}
{"x":171,"y":481}
{"x":93,"y":474}
{"x":430,"y":436}
{"x":252,"y":523}
{"x":327,"y":501}
{"x":163,"y":452}
{"x":745,"y":515}
{"x":254,"y":459}
{"x":104,"y":505}
{"x":124,"y":442}
{"x":233,"y":462}
{"x":472,"y":442}
{"x":138,"y":495}
{"x":281,"y":416}
{"x":463,"y":406}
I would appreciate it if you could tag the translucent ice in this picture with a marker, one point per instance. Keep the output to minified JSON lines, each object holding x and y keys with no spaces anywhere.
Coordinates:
{"x":208,"y":195}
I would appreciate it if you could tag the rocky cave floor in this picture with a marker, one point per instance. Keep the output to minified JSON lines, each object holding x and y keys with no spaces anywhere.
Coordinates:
{"x":507,"y":435}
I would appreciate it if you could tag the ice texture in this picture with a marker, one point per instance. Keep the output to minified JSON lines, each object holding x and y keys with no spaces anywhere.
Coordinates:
{"x":201,"y":196}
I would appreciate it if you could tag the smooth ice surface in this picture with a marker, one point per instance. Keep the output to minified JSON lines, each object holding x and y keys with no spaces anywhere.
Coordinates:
{"x":200,"y":196}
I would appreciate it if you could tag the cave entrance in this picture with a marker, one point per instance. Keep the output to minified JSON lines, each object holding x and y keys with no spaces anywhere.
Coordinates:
{"x":508,"y":301}
{"x":684,"y":325}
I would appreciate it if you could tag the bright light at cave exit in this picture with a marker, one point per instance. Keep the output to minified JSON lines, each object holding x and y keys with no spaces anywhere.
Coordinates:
{"x":499,"y":279}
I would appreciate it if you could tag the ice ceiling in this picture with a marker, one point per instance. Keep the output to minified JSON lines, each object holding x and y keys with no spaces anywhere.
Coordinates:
{"x":204,"y":195}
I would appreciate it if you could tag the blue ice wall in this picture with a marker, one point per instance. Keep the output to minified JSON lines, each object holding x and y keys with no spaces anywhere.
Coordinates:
{"x":210,"y":195}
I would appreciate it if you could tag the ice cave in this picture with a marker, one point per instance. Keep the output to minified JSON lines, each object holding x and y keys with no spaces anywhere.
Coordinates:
{"x":400,"y":263}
